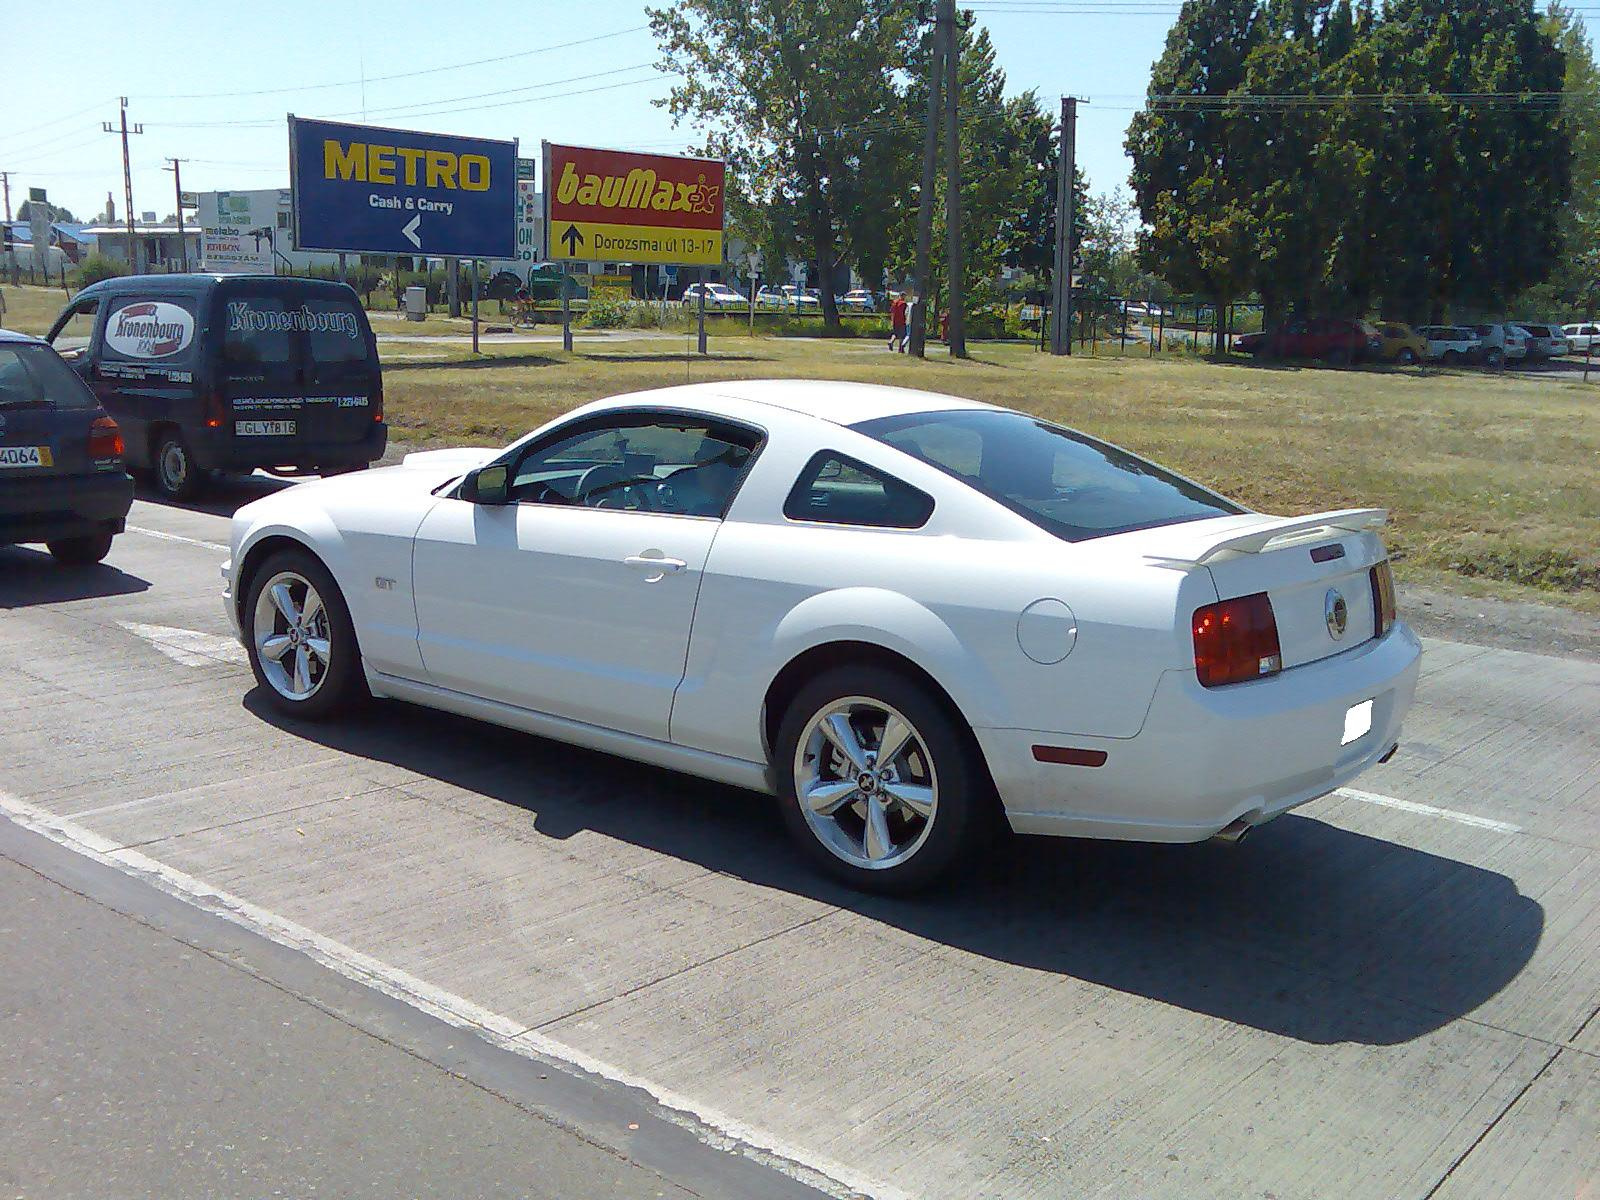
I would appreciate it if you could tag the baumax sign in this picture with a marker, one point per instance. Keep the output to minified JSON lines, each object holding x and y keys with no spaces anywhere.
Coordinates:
{"x":617,"y":206}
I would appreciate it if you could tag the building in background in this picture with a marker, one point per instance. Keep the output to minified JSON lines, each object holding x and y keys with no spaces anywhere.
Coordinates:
{"x":157,"y":246}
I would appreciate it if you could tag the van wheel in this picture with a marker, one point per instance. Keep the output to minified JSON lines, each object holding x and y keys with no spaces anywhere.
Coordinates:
{"x":177,"y":475}
{"x":1406,"y":357}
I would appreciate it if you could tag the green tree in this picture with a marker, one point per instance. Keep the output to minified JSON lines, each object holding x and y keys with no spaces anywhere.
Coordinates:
{"x":805,"y":103}
{"x":1191,"y":157}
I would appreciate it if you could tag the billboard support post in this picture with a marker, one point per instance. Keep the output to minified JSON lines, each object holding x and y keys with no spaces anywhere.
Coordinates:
{"x":701,"y":319}
{"x":566,"y":307}
{"x":475,"y":306}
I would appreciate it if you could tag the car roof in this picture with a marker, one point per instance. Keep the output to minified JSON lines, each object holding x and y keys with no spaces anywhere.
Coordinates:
{"x":201,"y":282}
{"x":11,"y":335}
{"x":834,"y":401}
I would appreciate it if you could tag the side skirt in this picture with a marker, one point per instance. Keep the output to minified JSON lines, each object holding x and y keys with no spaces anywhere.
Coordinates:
{"x":719,"y":767}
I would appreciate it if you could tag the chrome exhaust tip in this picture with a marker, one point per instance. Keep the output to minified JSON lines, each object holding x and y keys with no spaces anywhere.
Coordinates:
{"x":1233,"y":833}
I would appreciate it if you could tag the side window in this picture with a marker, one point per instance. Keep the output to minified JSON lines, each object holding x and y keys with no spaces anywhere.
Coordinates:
{"x":258,"y":336}
{"x":149,"y":332}
{"x":72,"y":339}
{"x":836,"y":490}
{"x":642,"y":463}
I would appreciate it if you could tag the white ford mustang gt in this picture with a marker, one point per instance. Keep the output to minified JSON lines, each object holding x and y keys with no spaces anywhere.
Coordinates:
{"x":901,"y":612}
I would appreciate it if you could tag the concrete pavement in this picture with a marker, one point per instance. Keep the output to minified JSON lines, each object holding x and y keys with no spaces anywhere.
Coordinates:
{"x":1390,"y":993}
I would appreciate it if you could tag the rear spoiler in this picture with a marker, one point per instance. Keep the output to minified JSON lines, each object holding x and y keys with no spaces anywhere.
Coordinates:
{"x":1275,"y":533}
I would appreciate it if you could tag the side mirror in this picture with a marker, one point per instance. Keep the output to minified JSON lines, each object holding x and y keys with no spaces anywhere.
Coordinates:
{"x":488,"y":485}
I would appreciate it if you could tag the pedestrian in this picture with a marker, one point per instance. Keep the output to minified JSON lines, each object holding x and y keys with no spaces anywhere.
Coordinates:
{"x":897,"y":324}
{"x":2,"y":308}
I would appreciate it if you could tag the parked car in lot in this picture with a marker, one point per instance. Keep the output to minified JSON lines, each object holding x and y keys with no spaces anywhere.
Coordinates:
{"x":62,"y":480}
{"x":1451,"y":344}
{"x":1399,"y":343}
{"x":771,"y":297}
{"x":1580,"y":337}
{"x":718,"y":295}
{"x":1501,"y":343}
{"x":231,"y":372}
{"x":1544,"y":341}
{"x":893,"y":609}
{"x":1332,"y":339}
{"x":860,"y":300}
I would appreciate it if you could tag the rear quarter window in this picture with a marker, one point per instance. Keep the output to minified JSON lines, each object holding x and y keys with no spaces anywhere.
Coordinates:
{"x":836,"y":490}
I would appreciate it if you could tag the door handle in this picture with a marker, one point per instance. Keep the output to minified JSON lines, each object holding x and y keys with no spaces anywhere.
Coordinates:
{"x":657,"y":564}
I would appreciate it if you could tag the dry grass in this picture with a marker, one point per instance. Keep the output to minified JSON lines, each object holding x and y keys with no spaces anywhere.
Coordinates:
{"x":32,"y":309}
{"x":1494,"y":482}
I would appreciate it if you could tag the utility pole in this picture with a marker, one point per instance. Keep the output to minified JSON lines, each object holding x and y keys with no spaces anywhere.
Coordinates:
{"x":177,"y":187}
{"x":954,"y":244}
{"x":127,"y":179}
{"x":1061,"y":280}
{"x":930,"y":170}
{"x":5,"y":181}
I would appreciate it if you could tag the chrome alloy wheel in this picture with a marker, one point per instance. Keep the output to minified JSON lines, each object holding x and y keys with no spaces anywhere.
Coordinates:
{"x":866,"y":783}
{"x":291,"y":636}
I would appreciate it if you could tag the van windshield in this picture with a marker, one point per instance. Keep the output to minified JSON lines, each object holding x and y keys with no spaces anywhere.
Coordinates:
{"x":1065,"y":482}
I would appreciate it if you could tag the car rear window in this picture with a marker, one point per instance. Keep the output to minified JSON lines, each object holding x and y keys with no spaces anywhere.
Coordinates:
{"x":34,"y":376}
{"x":1065,"y":482}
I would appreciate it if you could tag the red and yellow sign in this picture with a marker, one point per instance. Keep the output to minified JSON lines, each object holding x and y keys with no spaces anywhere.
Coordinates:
{"x":615,"y":206}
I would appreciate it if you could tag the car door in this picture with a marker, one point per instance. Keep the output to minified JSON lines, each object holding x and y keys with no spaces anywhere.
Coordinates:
{"x":576,"y":597}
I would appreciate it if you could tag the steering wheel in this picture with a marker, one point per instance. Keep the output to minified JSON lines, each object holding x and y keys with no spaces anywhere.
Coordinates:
{"x":597,"y":478}
{"x":617,"y":495}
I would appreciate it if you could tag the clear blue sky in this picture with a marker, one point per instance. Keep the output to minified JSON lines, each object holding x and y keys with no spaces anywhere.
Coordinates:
{"x":63,"y":74}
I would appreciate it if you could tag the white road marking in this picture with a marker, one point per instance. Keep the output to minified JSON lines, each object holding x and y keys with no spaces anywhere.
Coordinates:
{"x":710,"y":1125}
{"x":177,"y":537}
{"x":1428,"y":810}
{"x":188,"y":646}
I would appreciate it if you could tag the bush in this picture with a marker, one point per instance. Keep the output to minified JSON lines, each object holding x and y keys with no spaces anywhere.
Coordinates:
{"x":608,"y":309}
{"x":96,"y":267}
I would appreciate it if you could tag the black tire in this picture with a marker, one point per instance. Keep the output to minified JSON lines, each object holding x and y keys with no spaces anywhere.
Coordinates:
{"x":1494,"y":356}
{"x":177,"y":475}
{"x":343,"y":684}
{"x":1450,"y":357}
{"x":81,"y":551}
{"x":1406,"y":357}
{"x":1340,"y":357}
{"x":962,"y":821}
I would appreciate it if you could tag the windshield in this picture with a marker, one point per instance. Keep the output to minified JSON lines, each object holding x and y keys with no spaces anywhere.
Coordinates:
{"x":1066,"y":483}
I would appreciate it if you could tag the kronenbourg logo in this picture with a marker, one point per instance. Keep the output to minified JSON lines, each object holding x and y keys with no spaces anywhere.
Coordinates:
{"x":149,"y":329}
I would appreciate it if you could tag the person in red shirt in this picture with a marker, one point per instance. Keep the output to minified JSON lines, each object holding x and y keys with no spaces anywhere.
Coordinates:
{"x":897,"y":324}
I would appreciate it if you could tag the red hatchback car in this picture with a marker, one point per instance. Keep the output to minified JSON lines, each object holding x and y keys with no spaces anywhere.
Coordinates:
{"x":1332,"y":339}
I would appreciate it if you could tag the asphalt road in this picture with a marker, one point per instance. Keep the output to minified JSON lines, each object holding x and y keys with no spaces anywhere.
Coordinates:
{"x":1394,"y":992}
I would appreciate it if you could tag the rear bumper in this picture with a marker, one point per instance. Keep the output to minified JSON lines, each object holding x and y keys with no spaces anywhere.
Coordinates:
{"x":1208,"y":756}
{"x":62,"y":506}
{"x":227,"y":452}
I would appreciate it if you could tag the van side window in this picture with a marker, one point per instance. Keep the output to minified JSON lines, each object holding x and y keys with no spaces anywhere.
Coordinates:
{"x":258,"y":335}
{"x":149,"y":330}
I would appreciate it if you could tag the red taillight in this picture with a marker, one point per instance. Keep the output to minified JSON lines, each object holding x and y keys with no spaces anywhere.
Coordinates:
{"x":377,"y":401}
{"x":214,"y":412}
{"x":105,"y":439}
{"x":1236,"y":640}
{"x":1383,"y":606}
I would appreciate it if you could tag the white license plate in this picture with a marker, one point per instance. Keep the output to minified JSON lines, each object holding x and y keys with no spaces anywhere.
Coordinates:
{"x":25,"y":456}
{"x":1357,"y":722}
{"x":264,"y":428}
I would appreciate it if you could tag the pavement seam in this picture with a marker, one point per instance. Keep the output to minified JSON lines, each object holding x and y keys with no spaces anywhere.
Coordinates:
{"x":1489,"y":1128}
{"x":695,"y":966}
{"x":333,"y":1013}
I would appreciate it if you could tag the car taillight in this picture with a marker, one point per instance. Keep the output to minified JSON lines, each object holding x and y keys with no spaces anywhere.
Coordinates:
{"x":214,"y":411}
{"x":105,"y":439}
{"x":377,"y":401}
{"x":1383,"y":607}
{"x":1236,"y":640}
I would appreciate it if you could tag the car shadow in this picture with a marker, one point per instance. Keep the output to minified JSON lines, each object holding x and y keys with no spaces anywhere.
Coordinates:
{"x":1308,"y":930}
{"x":29,"y":577}
{"x":222,"y":495}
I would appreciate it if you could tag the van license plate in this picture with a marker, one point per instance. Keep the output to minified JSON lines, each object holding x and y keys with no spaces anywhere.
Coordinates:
{"x":264,"y":428}
{"x":25,"y":456}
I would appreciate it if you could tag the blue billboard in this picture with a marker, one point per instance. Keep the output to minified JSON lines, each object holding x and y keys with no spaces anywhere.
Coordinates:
{"x":395,"y":191}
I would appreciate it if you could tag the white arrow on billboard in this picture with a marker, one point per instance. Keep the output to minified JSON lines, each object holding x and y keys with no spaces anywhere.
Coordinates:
{"x":411,"y":231}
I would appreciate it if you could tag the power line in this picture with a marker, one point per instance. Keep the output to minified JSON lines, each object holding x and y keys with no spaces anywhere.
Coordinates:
{"x":310,"y":87}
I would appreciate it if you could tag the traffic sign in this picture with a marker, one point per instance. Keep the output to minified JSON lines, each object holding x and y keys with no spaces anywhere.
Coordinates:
{"x":616,"y":206}
{"x":394,"y":191}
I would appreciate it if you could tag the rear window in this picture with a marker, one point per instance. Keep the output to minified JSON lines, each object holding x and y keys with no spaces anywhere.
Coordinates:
{"x":258,"y":334}
{"x":34,"y":376}
{"x":1066,"y":483}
